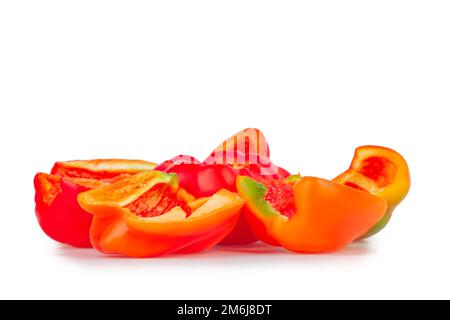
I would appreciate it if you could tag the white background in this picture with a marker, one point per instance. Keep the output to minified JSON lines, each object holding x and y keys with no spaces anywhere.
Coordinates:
{"x":140,"y":79}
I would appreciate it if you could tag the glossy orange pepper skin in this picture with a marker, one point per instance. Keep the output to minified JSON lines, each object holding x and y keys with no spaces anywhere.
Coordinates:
{"x":382,"y":172}
{"x":117,"y":230}
{"x":57,"y":209}
{"x":328,"y":215}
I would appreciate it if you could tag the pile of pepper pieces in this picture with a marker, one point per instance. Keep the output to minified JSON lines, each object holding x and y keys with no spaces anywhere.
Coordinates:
{"x":236,"y":196}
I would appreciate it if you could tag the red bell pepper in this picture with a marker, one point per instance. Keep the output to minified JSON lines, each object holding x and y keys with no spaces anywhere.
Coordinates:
{"x":57,"y":209}
{"x":247,"y":154}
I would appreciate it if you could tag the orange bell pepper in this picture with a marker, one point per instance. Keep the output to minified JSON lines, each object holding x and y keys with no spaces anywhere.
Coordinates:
{"x":57,"y":209}
{"x":310,"y":215}
{"x":382,"y":172}
{"x":148,"y":214}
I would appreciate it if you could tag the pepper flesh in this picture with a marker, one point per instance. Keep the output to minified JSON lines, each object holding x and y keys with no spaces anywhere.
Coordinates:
{"x":100,"y":169}
{"x":279,"y":195}
{"x":248,"y":153}
{"x":328,"y":216}
{"x":118,"y":228}
{"x":247,"y":149}
{"x":57,"y":209}
{"x":245,"y":153}
{"x":382,"y":172}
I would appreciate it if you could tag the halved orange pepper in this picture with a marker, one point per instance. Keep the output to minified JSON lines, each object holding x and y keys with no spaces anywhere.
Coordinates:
{"x":148,"y":214}
{"x":382,"y":172}
{"x":57,"y":209}
{"x":311,"y":215}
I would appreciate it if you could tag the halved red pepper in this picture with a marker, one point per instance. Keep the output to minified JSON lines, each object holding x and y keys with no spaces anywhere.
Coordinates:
{"x":175,"y":161}
{"x":246,"y":153}
{"x":57,"y":209}
{"x":248,"y":149}
{"x":311,"y":215}
{"x":382,"y":172}
{"x":148,"y":215}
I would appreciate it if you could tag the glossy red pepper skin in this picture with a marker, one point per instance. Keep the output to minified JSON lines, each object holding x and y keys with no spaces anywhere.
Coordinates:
{"x":57,"y":209}
{"x":61,"y":217}
{"x":203,"y":180}
{"x":326,"y":216}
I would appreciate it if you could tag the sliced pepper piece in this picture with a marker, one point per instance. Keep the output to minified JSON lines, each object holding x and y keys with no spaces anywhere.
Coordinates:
{"x":57,"y":209}
{"x":148,"y":215}
{"x":382,"y":172}
{"x":250,"y":143}
{"x":247,"y":149}
{"x":315,"y":216}
{"x":279,"y":194}
{"x":203,"y":180}
{"x":248,"y":153}
{"x":100,"y":169}
{"x":245,"y":153}
{"x":167,"y":165}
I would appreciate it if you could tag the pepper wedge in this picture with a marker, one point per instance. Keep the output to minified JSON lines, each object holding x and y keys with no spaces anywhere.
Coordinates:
{"x":100,"y":169}
{"x":117,"y":228}
{"x":247,"y":153}
{"x":382,"y":172}
{"x":57,"y":209}
{"x":328,"y":215}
